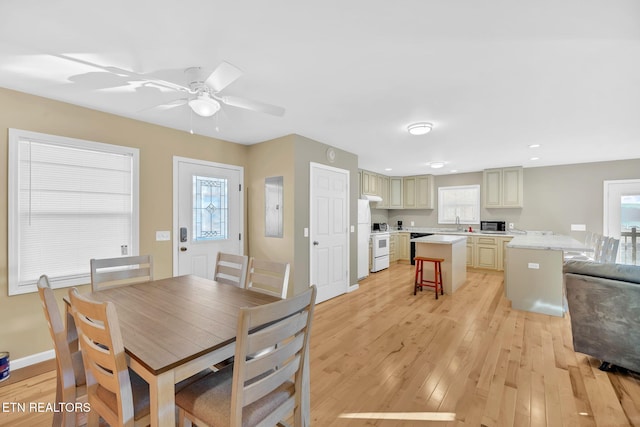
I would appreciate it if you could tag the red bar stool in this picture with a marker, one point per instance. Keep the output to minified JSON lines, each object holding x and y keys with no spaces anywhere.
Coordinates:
{"x":437,"y":279}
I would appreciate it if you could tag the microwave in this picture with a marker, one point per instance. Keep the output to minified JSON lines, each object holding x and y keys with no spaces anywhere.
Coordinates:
{"x":493,"y":226}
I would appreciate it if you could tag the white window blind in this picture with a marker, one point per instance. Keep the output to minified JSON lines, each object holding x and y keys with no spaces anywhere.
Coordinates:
{"x":70,"y":201}
{"x":459,"y":201}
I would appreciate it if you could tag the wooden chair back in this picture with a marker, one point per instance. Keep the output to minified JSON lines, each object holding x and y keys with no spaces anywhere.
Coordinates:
{"x":70,"y":379}
{"x":108,"y":382}
{"x":231,"y":269}
{"x":110,"y":272}
{"x":279,"y":332}
{"x":268,"y":277}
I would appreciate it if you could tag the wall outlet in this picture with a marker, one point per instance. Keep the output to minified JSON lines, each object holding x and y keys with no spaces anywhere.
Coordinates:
{"x":353,"y":229}
{"x":511,"y":226}
{"x":578,"y":227}
{"x":306,"y":232}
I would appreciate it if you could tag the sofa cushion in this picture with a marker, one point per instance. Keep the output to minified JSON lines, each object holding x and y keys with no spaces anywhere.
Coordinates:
{"x":622,"y":272}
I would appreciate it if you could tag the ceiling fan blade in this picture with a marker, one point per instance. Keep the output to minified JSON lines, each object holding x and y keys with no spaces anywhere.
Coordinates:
{"x":249,"y":104}
{"x":223,"y":76}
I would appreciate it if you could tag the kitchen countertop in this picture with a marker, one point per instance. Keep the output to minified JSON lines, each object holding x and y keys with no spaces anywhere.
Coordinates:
{"x":449,"y":231}
{"x":553,"y":242}
{"x":443,"y":239}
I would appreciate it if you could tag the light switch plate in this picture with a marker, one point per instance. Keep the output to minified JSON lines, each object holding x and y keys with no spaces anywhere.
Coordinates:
{"x":163,"y":235}
{"x":534,"y":265}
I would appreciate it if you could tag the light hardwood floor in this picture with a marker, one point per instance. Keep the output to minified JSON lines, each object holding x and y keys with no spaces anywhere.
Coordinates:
{"x":383,"y":352}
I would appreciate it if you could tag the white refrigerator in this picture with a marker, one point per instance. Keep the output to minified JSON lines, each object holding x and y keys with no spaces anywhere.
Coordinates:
{"x":364,"y":233}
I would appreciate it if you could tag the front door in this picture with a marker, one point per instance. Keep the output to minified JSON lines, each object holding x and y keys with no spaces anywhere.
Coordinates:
{"x":208,"y":214}
{"x":329,"y":230}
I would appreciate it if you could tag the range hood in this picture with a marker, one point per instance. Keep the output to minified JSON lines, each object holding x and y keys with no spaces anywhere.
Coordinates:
{"x":371,"y":198}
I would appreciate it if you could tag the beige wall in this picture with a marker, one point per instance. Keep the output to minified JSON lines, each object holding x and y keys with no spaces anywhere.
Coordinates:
{"x":24,"y":331}
{"x":268,"y":159}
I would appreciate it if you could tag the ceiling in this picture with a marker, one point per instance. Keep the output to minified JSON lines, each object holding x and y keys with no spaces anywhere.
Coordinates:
{"x":493,"y":76}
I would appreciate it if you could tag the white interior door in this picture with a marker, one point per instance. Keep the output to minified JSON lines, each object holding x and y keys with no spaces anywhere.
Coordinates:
{"x":329,"y":234}
{"x":208,"y":214}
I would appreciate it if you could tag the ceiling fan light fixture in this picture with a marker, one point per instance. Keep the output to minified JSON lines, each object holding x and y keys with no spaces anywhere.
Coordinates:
{"x":203,"y":105}
{"x":420,"y":128}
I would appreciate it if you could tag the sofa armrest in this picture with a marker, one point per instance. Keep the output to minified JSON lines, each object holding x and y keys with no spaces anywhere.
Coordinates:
{"x":621,"y":272}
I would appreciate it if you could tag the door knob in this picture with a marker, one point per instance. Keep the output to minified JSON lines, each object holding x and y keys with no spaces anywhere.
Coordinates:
{"x":183,"y":249}
{"x":316,"y":243}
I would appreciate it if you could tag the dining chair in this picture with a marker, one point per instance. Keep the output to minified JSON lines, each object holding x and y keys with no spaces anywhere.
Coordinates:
{"x":268,"y":277}
{"x":115,"y":393}
{"x":263,"y":390}
{"x":70,"y":376}
{"x":110,"y":272}
{"x":611,"y":250}
{"x":231,"y":269}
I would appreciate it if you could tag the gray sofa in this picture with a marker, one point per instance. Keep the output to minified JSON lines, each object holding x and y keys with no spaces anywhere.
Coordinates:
{"x":604,"y":306}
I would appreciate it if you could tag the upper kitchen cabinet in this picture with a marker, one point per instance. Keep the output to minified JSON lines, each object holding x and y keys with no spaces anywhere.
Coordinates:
{"x":383,"y":191}
{"x":368,"y":183}
{"x":503,"y":188}
{"x":395,"y":193}
{"x":418,"y":192}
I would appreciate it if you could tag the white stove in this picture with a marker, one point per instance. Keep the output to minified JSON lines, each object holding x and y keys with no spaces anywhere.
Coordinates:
{"x":379,"y":250}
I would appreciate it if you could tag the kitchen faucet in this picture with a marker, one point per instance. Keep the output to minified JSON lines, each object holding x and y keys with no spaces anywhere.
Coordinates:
{"x":458,"y":225}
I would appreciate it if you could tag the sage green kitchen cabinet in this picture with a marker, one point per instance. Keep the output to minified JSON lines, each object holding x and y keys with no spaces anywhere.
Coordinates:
{"x":368,"y":183}
{"x":403,"y":247}
{"x":395,"y":193}
{"x":503,"y":188}
{"x":409,"y":192}
{"x":393,"y":255}
{"x":418,"y":192}
{"x":425,"y":192}
{"x":383,"y":192}
{"x":487,"y":252}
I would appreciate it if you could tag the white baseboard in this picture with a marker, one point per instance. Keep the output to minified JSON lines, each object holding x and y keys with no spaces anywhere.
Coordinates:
{"x":353,"y":288}
{"x":33,"y":359}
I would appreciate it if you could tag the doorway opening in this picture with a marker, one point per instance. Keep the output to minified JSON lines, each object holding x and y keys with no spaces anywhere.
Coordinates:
{"x":622,"y":217}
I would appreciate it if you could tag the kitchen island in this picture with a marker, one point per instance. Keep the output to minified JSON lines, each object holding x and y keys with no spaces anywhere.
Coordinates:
{"x":533,"y":272}
{"x":453,"y":249}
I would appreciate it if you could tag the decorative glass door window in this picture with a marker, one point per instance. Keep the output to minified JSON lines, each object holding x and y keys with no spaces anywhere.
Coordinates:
{"x":210,"y":208}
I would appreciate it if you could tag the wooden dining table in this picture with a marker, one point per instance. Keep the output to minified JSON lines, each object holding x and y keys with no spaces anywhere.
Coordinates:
{"x":174,"y":328}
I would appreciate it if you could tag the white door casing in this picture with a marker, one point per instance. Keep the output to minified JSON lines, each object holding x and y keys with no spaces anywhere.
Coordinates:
{"x":329,"y":230}
{"x":203,"y":236}
{"x":613,"y":191}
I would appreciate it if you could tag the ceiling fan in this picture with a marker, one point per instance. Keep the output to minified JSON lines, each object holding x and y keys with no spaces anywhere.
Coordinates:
{"x":205,"y":99}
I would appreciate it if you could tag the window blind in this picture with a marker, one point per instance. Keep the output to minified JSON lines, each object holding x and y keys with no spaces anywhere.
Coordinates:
{"x":459,"y":201}
{"x":75,"y":201}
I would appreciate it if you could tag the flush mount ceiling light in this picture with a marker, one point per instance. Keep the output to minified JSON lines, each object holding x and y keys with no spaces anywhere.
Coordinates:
{"x":420,"y":128}
{"x":436,"y":165}
{"x":203,"y":105}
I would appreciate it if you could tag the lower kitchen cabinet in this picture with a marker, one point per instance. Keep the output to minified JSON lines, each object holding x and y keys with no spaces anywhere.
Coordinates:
{"x":403,"y":247}
{"x":487,"y":252}
{"x":393,"y":255}
{"x":486,"y":256}
{"x":470,"y":251}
